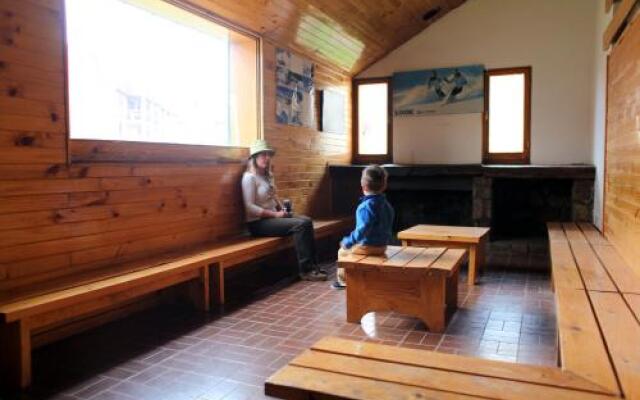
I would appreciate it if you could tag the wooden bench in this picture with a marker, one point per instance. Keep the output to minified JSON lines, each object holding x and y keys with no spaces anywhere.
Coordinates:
{"x":597,"y":296}
{"x":345,"y":369}
{"x":598,"y":313}
{"x":417,"y":281}
{"x":22,"y":313}
{"x":240,"y":251}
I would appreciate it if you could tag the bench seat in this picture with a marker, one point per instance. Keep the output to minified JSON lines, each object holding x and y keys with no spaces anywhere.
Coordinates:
{"x":346,"y":369}
{"x":597,"y":314}
{"x":23,"y":312}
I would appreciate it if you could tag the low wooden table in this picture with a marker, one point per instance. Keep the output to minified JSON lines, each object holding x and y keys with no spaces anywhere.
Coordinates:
{"x":417,"y":281}
{"x":466,"y":237}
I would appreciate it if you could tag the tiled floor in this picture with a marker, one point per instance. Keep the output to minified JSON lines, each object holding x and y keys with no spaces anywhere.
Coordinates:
{"x":173,"y":352}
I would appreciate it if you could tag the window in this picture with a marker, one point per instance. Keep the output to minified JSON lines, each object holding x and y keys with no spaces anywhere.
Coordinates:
{"x":149,"y":71}
{"x":507,"y":116}
{"x":372,"y":122}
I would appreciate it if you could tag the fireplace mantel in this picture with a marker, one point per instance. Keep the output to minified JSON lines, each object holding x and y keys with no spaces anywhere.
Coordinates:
{"x":568,"y":171}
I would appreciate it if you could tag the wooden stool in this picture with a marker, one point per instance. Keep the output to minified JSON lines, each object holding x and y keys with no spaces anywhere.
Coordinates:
{"x":417,"y":281}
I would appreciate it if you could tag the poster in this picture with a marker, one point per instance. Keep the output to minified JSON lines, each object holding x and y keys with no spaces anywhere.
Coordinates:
{"x":456,"y":90}
{"x":294,"y":90}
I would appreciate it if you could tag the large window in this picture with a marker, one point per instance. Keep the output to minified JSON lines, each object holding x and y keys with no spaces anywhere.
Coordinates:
{"x":148,"y":71}
{"x":507,"y":116}
{"x":372,"y":122}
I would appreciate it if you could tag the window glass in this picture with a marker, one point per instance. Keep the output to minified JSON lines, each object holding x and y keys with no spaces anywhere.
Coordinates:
{"x":506,"y":113}
{"x":148,"y":71}
{"x":372,"y":118}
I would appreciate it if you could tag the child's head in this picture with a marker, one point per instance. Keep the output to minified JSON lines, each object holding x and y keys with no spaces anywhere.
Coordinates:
{"x":374,"y":179}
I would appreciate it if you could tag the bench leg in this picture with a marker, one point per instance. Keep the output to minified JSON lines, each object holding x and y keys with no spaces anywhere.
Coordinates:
{"x":355,"y":292}
{"x":199,"y":290}
{"x":217,"y":285}
{"x":434,"y":301}
{"x":452,"y":292}
{"x":15,"y":359}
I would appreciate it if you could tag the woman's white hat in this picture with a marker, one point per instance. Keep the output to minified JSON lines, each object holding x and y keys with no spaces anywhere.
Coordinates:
{"x":260,"y":146}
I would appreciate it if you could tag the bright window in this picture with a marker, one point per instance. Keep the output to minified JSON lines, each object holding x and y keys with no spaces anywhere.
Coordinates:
{"x":148,"y":71}
{"x":373,"y":120}
{"x":507,"y":115}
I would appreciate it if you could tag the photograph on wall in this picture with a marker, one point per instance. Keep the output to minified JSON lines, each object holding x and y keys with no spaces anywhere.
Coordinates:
{"x":455,"y":90}
{"x":294,"y":90}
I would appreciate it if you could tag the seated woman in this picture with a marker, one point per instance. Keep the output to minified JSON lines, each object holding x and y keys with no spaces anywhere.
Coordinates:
{"x":265,"y":215}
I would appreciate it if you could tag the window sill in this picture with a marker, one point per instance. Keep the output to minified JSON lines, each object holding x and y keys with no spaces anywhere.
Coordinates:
{"x":98,"y":151}
{"x":506,"y":158}
{"x":372,"y":159}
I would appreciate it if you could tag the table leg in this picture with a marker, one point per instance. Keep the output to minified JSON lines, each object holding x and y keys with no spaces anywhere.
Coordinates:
{"x":473,"y":264}
{"x":482,"y":253}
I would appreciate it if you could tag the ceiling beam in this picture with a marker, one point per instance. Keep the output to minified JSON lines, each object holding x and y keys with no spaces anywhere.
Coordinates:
{"x":617,"y":22}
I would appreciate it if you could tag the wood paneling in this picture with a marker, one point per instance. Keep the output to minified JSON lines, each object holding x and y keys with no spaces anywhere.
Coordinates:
{"x":303,"y":153}
{"x":119,"y":202}
{"x":348,"y":34}
{"x":622,"y":190}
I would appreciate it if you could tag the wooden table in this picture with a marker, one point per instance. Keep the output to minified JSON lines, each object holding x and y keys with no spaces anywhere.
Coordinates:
{"x":417,"y":281}
{"x":466,"y":237}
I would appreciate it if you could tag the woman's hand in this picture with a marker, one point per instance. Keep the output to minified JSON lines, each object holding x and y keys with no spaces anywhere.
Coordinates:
{"x":272,"y":214}
{"x":280,"y":214}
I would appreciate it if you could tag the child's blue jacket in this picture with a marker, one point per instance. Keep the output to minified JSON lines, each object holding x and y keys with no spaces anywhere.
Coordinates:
{"x":374,"y":220}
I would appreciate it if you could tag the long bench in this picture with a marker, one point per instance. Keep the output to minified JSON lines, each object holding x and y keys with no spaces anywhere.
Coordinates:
{"x":597,"y":296}
{"x":598,"y":312}
{"x":22,"y":313}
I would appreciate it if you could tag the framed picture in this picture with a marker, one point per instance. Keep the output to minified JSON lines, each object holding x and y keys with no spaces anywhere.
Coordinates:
{"x":456,"y":90}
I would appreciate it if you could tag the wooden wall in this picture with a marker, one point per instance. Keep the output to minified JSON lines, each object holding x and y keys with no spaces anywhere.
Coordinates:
{"x":57,"y":219}
{"x":622,"y":190}
{"x":302,"y":153}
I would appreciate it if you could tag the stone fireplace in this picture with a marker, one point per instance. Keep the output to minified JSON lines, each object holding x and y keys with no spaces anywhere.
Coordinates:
{"x":515,"y":201}
{"x":438,"y":207}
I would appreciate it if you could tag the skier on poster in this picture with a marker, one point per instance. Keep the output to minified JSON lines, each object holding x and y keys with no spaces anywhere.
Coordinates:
{"x":458,"y":81}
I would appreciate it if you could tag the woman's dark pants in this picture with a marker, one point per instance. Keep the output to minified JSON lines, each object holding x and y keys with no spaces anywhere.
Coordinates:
{"x":300,"y":227}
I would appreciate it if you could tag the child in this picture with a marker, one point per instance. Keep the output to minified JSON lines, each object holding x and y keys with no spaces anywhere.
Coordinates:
{"x":374,"y":217}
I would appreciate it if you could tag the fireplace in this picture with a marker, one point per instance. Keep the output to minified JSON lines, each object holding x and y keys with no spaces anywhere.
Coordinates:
{"x":522,"y":207}
{"x":438,"y":207}
{"x":515,"y":201}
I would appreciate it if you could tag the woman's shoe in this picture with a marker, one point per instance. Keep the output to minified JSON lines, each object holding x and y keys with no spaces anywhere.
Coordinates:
{"x":338,"y":285}
{"x":314,"y":276}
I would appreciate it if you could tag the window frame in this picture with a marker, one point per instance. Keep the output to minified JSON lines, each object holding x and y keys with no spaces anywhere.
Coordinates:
{"x":523,"y":157}
{"x":98,"y":150}
{"x":371,"y":158}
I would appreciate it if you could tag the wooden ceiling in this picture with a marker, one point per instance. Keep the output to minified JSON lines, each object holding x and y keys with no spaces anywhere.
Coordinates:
{"x":347,"y":34}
